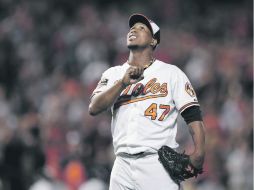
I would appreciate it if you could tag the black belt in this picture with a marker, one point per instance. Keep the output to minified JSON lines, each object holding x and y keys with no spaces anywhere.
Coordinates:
{"x":140,"y":154}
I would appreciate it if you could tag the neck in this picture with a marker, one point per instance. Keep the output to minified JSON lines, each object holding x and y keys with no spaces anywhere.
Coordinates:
{"x":140,"y":58}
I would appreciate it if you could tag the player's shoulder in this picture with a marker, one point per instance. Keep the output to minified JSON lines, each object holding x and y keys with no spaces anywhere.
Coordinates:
{"x":169,"y":67}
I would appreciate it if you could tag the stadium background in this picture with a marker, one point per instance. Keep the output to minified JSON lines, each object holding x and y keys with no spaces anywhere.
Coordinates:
{"x":52,"y":54}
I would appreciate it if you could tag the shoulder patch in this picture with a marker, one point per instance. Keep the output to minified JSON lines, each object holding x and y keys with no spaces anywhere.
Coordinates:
{"x":102,"y":82}
{"x":189,"y":89}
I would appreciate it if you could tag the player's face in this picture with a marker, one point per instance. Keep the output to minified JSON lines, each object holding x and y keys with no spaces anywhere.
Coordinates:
{"x":139,"y":36}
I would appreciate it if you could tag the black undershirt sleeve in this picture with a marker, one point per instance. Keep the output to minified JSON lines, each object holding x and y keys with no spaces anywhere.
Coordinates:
{"x":191,"y":114}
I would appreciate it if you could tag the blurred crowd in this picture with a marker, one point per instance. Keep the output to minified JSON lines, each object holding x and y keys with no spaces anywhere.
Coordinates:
{"x":52,"y":54}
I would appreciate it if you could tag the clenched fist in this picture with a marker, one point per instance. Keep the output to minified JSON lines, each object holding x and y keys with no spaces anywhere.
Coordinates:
{"x":133,"y":75}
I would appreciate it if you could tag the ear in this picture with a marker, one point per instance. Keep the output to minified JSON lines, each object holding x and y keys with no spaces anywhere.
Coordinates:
{"x":154,"y":42}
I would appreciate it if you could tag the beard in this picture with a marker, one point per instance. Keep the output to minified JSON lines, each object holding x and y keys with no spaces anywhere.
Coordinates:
{"x":133,"y":47}
{"x":136,"y":47}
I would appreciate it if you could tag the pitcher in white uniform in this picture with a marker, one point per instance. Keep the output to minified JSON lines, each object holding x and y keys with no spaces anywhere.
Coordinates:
{"x":145,"y":96}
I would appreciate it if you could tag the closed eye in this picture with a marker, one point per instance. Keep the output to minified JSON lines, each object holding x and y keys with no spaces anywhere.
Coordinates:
{"x":142,"y":27}
{"x":139,"y":27}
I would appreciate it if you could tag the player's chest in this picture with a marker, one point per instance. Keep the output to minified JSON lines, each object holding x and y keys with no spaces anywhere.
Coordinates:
{"x":148,"y":86}
{"x":149,"y":97}
{"x":151,"y":88}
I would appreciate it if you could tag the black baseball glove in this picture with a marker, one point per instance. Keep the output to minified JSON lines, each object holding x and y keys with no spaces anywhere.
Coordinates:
{"x":177,"y":165}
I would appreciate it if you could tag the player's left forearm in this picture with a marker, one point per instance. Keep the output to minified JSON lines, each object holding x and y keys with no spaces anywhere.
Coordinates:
{"x":197,"y":132}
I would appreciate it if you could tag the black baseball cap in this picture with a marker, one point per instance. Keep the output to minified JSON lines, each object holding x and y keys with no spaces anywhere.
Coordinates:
{"x":154,"y":28}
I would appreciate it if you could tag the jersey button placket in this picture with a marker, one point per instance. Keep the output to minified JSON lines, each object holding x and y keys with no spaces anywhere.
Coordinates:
{"x":129,"y":128}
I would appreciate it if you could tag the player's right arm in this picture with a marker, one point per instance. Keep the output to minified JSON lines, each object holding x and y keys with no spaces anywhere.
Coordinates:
{"x":103,"y":99}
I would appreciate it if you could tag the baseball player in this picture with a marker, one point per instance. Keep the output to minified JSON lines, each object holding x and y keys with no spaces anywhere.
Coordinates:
{"x":145,"y":96}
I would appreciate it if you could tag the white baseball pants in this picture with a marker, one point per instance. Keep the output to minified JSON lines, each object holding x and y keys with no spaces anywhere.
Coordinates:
{"x":140,"y":173}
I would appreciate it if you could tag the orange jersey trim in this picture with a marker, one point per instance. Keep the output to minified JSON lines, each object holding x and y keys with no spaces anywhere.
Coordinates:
{"x":188,"y":105}
{"x":125,"y":102}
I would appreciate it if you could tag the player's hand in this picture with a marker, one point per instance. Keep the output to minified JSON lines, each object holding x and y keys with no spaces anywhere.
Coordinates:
{"x":133,"y":75}
{"x":197,"y":160}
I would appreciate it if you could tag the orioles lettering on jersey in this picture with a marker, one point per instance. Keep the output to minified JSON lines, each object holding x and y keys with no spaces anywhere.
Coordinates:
{"x":152,"y":89}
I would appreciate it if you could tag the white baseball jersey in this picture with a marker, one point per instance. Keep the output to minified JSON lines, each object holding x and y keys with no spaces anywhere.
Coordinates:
{"x":144,"y":117}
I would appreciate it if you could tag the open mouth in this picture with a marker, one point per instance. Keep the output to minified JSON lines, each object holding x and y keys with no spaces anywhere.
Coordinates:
{"x":132,"y":37}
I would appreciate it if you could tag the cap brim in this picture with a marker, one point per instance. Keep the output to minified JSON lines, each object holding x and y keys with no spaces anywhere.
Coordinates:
{"x":135,"y":18}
